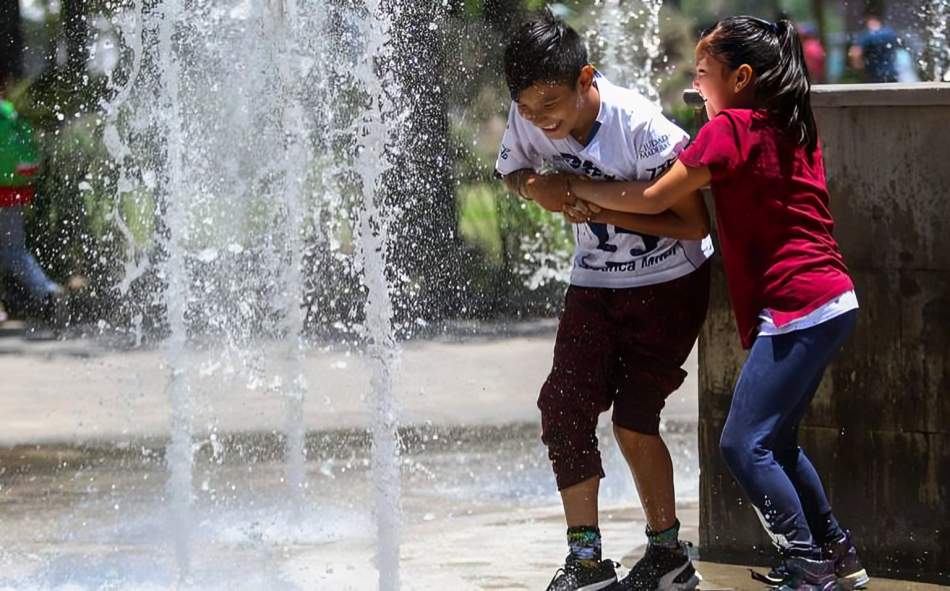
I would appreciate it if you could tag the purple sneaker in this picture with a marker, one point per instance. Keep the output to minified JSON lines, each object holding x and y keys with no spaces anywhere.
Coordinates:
{"x":848,"y":569}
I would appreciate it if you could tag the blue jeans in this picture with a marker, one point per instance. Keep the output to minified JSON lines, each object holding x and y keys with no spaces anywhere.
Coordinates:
{"x":17,"y":259}
{"x":760,"y":438}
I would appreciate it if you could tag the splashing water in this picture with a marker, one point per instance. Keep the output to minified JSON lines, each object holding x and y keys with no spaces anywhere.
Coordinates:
{"x":628,"y":34}
{"x":372,"y":163}
{"x":936,"y":15}
{"x":176,"y":296}
{"x":266,"y":114}
{"x":293,"y":124}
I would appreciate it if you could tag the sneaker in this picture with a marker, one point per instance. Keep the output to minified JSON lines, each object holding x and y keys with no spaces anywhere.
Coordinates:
{"x":774,"y":578}
{"x":803,"y":574}
{"x":848,"y":569}
{"x":574,"y":576}
{"x":54,"y":310}
{"x":662,"y":569}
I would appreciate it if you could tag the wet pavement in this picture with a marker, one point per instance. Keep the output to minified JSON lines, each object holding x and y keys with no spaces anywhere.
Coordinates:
{"x":84,"y":489}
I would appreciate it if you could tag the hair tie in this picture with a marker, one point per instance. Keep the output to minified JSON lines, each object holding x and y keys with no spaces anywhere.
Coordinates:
{"x":774,"y":28}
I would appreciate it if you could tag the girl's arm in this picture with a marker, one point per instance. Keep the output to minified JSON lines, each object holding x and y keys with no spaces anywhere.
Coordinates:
{"x":686,"y":220}
{"x":640,"y":196}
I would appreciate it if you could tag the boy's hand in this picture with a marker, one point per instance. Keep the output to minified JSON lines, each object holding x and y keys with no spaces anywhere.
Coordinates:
{"x":552,"y":192}
{"x":581,"y":212}
{"x":515,"y":181}
{"x":549,"y":191}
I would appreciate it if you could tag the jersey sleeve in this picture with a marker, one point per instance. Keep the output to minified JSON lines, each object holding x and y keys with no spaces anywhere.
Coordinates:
{"x":657,"y":143}
{"x":717,"y":147}
{"x":513,"y":154}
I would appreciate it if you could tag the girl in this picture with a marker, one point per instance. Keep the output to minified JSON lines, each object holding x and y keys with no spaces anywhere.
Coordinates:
{"x":792,"y":297}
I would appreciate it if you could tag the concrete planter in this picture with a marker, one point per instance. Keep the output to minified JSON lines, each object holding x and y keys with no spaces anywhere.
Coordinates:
{"x":879,"y":428}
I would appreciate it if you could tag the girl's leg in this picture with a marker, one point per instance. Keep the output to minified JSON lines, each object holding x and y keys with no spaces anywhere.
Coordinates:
{"x":776,"y":384}
{"x":799,"y":469}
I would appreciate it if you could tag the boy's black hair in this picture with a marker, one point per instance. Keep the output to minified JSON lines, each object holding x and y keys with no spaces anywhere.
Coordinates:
{"x":774,"y":52}
{"x":545,"y":49}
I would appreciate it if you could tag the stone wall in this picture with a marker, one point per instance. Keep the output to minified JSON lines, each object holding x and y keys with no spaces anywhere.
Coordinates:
{"x":879,"y":428}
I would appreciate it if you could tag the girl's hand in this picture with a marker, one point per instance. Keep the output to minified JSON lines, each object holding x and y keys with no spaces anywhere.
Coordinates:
{"x":581,"y":212}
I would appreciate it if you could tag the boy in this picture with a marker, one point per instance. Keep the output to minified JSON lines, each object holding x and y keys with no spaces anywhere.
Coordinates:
{"x":635,"y":304}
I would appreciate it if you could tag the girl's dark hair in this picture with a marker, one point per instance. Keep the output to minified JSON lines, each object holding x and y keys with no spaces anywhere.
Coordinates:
{"x":774,"y":52}
{"x":543,"y":50}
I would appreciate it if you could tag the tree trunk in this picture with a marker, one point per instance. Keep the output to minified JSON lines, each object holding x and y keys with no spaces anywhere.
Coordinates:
{"x":424,"y":237}
{"x":11,"y":40}
{"x":503,"y":15}
{"x":76,"y":33}
{"x":818,"y":9}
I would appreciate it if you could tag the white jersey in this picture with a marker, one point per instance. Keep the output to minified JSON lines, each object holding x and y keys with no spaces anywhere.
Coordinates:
{"x":631,"y":140}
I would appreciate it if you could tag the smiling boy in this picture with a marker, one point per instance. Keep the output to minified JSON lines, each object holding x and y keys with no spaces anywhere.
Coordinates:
{"x":638,"y":294}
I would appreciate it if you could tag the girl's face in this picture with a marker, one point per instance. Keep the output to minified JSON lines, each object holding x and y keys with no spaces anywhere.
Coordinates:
{"x":722,"y":88}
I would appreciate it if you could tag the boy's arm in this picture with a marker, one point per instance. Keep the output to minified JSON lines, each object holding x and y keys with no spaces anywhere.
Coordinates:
{"x":687,"y":220}
{"x":640,"y":196}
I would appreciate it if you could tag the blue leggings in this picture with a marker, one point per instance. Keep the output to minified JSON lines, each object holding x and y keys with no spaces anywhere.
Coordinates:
{"x":760,"y":438}
{"x":15,"y":257}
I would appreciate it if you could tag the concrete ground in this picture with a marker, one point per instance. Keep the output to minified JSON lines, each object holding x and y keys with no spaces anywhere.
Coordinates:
{"x":86,"y":502}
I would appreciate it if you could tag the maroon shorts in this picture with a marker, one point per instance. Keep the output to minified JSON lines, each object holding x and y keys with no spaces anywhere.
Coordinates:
{"x":616,"y":347}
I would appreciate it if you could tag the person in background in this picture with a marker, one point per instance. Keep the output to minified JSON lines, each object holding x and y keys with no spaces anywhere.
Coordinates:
{"x":19,"y":163}
{"x":814,"y":52}
{"x":875,"y":52}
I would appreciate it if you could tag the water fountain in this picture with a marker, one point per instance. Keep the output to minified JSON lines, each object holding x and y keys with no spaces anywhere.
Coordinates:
{"x":936,"y":59}
{"x":628,"y":34}
{"x":243,"y":126}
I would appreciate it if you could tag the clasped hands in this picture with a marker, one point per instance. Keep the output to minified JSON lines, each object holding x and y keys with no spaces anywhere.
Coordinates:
{"x":553,"y":192}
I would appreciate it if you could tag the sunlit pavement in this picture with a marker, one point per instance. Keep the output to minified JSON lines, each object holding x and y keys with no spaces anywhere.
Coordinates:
{"x":84,"y":502}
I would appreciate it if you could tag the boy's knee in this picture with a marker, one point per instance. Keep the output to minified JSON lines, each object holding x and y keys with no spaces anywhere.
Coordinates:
{"x":640,"y":421}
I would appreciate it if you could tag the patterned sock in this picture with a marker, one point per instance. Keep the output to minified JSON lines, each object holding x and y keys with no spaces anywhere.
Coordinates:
{"x":668,"y":538}
{"x":584,"y":544}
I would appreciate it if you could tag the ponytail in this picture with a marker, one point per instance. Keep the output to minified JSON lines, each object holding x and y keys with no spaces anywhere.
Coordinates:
{"x":785,"y":91}
{"x":774,"y":52}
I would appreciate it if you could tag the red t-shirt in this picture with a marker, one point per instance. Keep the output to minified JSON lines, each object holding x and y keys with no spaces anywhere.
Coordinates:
{"x":775,"y":229}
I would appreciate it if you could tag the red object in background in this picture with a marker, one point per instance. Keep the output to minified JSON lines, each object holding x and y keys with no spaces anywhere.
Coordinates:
{"x":13,"y":196}
{"x":814,"y":59}
{"x":27,"y":169}
{"x":814,"y":52}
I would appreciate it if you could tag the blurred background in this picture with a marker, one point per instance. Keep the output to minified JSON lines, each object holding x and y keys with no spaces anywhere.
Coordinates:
{"x":98,"y":229}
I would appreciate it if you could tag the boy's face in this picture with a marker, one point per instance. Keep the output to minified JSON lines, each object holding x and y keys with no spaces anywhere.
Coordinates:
{"x":555,"y":109}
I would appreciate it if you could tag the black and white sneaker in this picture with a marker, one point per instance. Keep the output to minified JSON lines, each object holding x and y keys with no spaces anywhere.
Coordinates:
{"x":661,"y":569}
{"x":573,"y":576}
{"x":773,"y":578}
